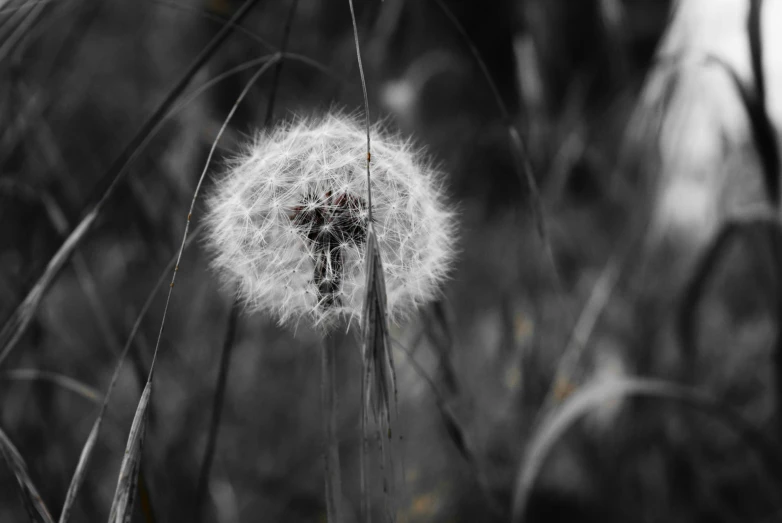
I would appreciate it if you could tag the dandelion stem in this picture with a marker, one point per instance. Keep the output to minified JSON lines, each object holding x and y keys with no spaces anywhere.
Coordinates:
{"x":329,"y":409}
{"x":217,"y":410}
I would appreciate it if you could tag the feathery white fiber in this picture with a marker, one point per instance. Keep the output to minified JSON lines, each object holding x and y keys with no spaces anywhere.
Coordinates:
{"x":287,"y":222}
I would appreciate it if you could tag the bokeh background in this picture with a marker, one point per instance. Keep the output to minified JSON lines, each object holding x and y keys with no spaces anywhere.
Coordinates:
{"x":641,"y":149}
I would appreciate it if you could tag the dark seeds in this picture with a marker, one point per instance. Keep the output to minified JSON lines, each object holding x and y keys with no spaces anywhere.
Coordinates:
{"x":327,"y":223}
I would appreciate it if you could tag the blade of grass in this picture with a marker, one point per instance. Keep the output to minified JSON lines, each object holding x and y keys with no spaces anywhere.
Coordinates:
{"x":83,"y":275}
{"x":15,"y":14}
{"x":230,"y":333}
{"x":29,"y":3}
{"x":378,"y":389}
{"x":694,"y":290}
{"x":59,"y":223}
{"x":16,"y":325}
{"x":249,"y":65}
{"x":33,"y":16}
{"x":577,"y":405}
{"x":127,"y":485}
{"x":696,"y":286}
{"x":37,"y":110}
{"x":125,"y":489}
{"x":378,"y":375}
{"x":439,"y":331}
{"x":568,"y":367}
{"x":65,"y":382}
{"x":33,"y":503}
{"x":217,"y":19}
{"x":86,"y":453}
{"x":763,"y":130}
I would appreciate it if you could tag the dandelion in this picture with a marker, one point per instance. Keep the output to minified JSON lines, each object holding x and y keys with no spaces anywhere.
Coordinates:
{"x":288,"y":222}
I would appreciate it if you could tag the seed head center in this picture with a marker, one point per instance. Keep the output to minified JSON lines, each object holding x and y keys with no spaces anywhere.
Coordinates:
{"x":330,"y":223}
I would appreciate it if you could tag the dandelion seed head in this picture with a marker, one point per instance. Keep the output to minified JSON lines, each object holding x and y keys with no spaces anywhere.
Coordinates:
{"x":287,"y":222}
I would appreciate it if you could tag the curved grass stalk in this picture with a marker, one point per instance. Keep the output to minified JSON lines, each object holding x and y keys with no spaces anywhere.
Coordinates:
{"x":233,"y":317}
{"x":62,"y":381}
{"x":20,"y":319}
{"x":579,"y":404}
{"x":124,"y":494}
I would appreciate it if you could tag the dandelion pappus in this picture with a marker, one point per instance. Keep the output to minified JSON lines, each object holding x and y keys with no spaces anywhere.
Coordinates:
{"x":289,"y":224}
{"x":328,"y":223}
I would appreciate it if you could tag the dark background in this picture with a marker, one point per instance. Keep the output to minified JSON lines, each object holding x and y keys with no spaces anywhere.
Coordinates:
{"x":82,"y":78}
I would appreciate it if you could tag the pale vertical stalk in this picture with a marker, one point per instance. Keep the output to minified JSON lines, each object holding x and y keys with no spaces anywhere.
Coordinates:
{"x":366,"y":105}
{"x":329,"y":408}
{"x":202,"y":487}
{"x":365,"y":367}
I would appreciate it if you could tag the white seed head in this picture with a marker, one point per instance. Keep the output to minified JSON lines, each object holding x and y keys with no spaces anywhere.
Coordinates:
{"x":287,"y":221}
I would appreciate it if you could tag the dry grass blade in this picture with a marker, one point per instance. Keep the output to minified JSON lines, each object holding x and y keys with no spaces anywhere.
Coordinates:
{"x":127,"y":485}
{"x":377,"y":342}
{"x":762,"y":128}
{"x":249,"y":65}
{"x":66,"y":382}
{"x":33,"y":503}
{"x":16,"y":325}
{"x":21,"y":30}
{"x":569,"y":366}
{"x":378,"y":382}
{"x":24,"y":5}
{"x":83,"y":273}
{"x":206,"y":14}
{"x":377,"y":376}
{"x":763,"y":132}
{"x":696,"y":286}
{"x":439,"y":330}
{"x":59,"y":222}
{"x":84,"y":458}
{"x":593,"y":396}
{"x":197,"y":191}
{"x":89,"y":445}
{"x":81,"y":468}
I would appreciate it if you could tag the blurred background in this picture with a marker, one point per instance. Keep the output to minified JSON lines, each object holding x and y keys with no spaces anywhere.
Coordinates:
{"x":635,"y":120}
